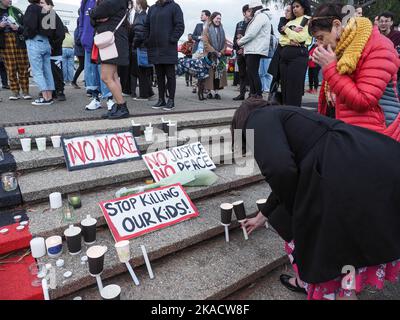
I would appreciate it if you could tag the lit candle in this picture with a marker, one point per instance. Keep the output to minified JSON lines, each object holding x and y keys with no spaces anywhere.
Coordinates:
{"x":75,"y":202}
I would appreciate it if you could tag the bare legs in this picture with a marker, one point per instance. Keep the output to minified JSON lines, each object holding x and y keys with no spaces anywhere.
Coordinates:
{"x":109,"y":75}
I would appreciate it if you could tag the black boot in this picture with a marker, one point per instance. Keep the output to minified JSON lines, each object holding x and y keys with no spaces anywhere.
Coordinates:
{"x":109,"y":112}
{"x":121,"y":113}
{"x":161,"y":103}
{"x":170,"y":105}
{"x":240,"y":97}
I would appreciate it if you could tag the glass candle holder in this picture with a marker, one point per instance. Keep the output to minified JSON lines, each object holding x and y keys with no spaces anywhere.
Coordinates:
{"x":9,"y":181}
{"x":68,"y":215}
{"x":74,"y":200}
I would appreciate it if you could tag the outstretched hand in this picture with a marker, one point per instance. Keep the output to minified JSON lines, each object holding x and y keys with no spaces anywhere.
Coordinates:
{"x":255,"y":223}
{"x":323,"y":56}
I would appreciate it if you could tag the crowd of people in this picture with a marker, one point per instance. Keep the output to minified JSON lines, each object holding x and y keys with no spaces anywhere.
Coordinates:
{"x":267,"y":61}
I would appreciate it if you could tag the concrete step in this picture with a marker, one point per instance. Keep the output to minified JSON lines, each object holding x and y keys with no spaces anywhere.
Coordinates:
{"x":166,"y":241}
{"x":269,"y":287}
{"x":45,"y":222}
{"x":189,"y":120}
{"x":39,"y":160}
{"x":36,"y":186}
{"x":212,"y":269}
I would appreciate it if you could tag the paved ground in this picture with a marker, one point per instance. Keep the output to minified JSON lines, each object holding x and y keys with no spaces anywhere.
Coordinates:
{"x":73,"y":109}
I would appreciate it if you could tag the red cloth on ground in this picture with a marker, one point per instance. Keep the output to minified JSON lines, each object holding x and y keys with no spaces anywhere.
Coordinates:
{"x":14,"y":240}
{"x":358,"y":94}
{"x":15,"y":281}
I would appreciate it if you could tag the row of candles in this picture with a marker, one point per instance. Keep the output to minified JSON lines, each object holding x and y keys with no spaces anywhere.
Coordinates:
{"x":167,"y":126}
{"x":240,"y":212}
{"x":95,"y":255}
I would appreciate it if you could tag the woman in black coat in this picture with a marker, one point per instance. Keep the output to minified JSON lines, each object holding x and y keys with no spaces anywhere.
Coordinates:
{"x":164,"y":27}
{"x":335,"y":196}
{"x":106,"y":16}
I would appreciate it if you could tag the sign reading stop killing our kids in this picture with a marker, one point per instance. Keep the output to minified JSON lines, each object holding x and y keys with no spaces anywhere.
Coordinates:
{"x":99,"y":150}
{"x":132,"y":216}
{"x":165,"y":163}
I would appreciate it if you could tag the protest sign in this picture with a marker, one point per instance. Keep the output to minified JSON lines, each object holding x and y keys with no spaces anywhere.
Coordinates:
{"x":99,"y":150}
{"x":132,"y":216}
{"x":192,"y":157}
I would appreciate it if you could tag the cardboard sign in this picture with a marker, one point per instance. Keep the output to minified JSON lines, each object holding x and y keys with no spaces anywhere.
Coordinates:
{"x":99,"y":150}
{"x":165,"y":163}
{"x":132,"y":216}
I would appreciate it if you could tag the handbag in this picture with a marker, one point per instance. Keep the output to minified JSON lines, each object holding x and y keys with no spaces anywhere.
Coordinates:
{"x":94,"y":57}
{"x":105,"y":41}
{"x":143,"y":58}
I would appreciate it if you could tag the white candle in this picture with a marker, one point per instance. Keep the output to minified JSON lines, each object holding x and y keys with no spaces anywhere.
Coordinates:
{"x":38,"y":247}
{"x":55,"y":200}
{"x":146,"y":259}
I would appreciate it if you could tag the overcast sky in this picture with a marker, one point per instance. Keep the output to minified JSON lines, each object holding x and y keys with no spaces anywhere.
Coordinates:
{"x":230,"y":10}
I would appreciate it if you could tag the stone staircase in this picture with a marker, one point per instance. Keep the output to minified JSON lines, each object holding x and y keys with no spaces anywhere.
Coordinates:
{"x":191,"y":260}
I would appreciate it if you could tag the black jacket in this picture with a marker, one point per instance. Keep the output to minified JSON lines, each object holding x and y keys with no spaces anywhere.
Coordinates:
{"x":139,"y":30}
{"x":56,"y":38}
{"x":33,"y":19}
{"x":240,"y":29}
{"x":335,"y":190}
{"x":198,"y":31}
{"x":20,"y":40}
{"x":164,"y":27}
{"x":115,"y":11}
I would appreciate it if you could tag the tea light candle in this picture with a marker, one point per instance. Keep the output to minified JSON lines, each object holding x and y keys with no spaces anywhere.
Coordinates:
{"x":4,"y":231}
{"x":38,"y":247}
{"x":17,"y":218}
{"x":55,"y":200}
{"x":21,"y":130}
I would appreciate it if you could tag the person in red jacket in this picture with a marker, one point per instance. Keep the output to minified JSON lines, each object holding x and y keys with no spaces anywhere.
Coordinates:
{"x":313,"y":72}
{"x":359,"y":67}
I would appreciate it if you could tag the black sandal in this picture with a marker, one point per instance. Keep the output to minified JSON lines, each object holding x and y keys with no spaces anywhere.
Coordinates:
{"x":285,"y":281}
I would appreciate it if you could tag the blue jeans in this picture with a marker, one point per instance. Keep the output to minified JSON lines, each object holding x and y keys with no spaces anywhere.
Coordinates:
{"x":39,"y":52}
{"x":265,"y":77}
{"x":93,"y":77}
{"x":68,"y":64}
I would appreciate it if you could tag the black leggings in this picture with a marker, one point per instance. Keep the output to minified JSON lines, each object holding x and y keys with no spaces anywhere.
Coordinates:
{"x":253,"y":66}
{"x":293,"y":68}
{"x":145,"y":87}
{"x":166,"y":71}
{"x":313,"y":77}
{"x":81,"y":67}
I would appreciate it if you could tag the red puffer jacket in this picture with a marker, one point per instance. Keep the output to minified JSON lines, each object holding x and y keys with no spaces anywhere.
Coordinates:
{"x":358,"y":95}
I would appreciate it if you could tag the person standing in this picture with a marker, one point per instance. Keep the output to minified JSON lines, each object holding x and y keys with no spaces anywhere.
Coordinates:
{"x":240,"y":58}
{"x":198,"y":47}
{"x":13,"y":49}
{"x":215,"y":41}
{"x":68,"y":57}
{"x":56,"y":39}
{"x":39,"y":50}
{"x":3,"y":75}
{"x":313,"y":72}
{"x":144,"y":73}
{"x":110,"y":15}
{"x":386,"y":27}
{"x":164,"y":26}
{"x":94,"y":85}
{"x":294,"y":54}
{"x":187,"y":50}
{"x":256,"y":44}
{"x":80,"y":54}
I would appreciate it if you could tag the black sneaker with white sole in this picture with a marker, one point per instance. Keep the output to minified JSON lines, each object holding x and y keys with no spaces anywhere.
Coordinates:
{"x":42,"y":102}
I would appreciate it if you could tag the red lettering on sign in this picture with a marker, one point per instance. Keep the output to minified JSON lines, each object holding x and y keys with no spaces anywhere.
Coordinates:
{"x":121,"y":142}
{"x":151,"y":161}
{"x":162,"y":173}
{"x":114,"y":143}
{"x":85,"y":144}
{"x":131,"y":144}
{"x":104,"y":149}
{"x":73,"y":152}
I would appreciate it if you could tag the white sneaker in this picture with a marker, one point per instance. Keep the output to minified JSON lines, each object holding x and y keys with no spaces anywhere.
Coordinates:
{"x":93,"y":105}
{"x":14,"y":97}
{"x":110,"y":103}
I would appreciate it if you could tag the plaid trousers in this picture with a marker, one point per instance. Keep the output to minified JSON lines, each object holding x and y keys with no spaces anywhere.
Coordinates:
{"x":17,"y":64}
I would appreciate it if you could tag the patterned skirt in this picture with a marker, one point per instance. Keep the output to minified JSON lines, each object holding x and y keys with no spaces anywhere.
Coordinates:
{"x":364,"y":277}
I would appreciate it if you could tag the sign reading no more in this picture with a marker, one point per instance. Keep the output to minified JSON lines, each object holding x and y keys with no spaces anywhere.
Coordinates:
{"x":99,"y":150}
{"x":132,"y":216}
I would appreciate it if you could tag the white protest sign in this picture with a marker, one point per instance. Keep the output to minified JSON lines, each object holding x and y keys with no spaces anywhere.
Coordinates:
{"x":132,"y":216}
{"x":191,"y":157}
{"x":98,"y":150}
